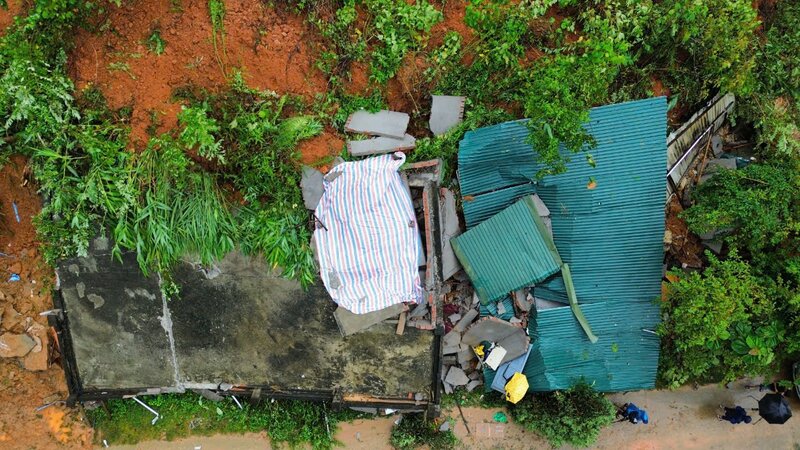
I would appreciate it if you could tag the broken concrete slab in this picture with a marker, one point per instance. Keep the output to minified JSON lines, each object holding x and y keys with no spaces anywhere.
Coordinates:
{"x":311,"y":185}
{"x":450,"y":224}
{"x":515,"y":344}
{"x":447,"y":111}
{"x":381,"y":145}
{"x":466,"y":321}
{"x":37,"y":359}
{"x":465,"y":358}
{"x":381,"y":123}
{"x":11,"y":319}
{"x":541,"y":208}
{"x":488,"y":329}
{"x":15,"y":345}
{"x":473,"y":384}
{"x":350,"y":323}
{"x":714,"y":245}
{"x":512,"y":338}
{"x":453,"y":338}
{"x":456,"y":377}
{"x":365,"y":409}
{"x":448,"y":388}
{"x":454,"y":318}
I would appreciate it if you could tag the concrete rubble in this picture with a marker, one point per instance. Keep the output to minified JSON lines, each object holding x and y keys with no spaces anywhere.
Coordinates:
{"x":311,"y":186}
{"x":380,"y":145}
{"x":385,"y":123}
{"x":15,"y":345}
{"x":447,"y":111}
{"x":456,"y":377}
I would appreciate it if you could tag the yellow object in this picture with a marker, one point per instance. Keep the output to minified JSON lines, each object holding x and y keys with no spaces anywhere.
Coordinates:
{"x":516,"y":387}
{"x":479,"y":351}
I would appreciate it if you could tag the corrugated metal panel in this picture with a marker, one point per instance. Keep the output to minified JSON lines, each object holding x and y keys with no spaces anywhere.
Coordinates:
{"x":495,"y":157}
{"x":611,"y":236}
{"x":477,"y":209}
{"x":624,"y":358}
{"x":507,"y":252}
{"x":490,"y":309}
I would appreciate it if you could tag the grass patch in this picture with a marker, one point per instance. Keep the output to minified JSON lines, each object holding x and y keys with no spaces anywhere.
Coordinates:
{"x":285,"y":421}
{"x":414,"y":431}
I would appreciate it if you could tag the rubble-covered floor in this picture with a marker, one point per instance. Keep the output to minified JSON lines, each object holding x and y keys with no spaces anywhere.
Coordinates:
{"x":245,"y":326}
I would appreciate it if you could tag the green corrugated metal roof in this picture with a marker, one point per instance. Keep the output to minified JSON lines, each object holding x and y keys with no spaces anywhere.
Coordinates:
{"x":479,"y":208}
{"x":611,"y":236}
{"x":490,"y":309}
{"x":495,"y":157}
{"x":507,"y":252}
{"x":624,"y":358}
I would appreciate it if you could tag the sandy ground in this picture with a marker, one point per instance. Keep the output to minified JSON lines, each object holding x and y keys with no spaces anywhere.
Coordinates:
{"x":682,"y":419}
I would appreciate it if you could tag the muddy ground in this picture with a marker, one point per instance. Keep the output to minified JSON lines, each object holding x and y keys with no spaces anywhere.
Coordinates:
{"x":27,"y":383}
{"x":682,"y":419}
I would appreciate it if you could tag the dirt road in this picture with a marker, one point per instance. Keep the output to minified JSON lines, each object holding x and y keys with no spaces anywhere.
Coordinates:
{"x":682,"y":419}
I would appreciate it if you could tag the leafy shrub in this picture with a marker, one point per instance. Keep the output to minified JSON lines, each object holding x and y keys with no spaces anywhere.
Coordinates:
{"x":393,"y":28}
{"x":280,"y":232}
{"x":774,"y":104}
{"x":414,"y":431}
{"x":756,"y":209}
{"x":718,"y":325}
{"x":198,"y":132}
{"x":398,"y":27}
{"x":573,"y":417}
{"x":86,"y":182}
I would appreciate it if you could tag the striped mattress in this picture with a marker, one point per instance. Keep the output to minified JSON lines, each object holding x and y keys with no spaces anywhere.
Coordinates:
{"x":366,"y":235}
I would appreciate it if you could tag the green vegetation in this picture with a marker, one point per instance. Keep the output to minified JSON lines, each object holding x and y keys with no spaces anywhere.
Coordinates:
{"x":741,"y":316}
{"x":573,"y":417}
{"x":216,"y":9}
{"x":414,"y":431}
{"x":160,"y":202}
{"x":155,"y":43}
{"x":292,"y":422}
{"x":719,"y":325}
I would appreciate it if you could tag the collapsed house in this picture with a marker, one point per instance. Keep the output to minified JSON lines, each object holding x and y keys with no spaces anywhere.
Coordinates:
{"x":555,"y":280}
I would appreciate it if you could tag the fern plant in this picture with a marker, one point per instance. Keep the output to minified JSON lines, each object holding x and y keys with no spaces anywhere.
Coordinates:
{"x":198,"y":132}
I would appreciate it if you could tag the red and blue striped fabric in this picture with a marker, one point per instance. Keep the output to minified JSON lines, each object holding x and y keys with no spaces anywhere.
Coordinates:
{"x":367,"y":236}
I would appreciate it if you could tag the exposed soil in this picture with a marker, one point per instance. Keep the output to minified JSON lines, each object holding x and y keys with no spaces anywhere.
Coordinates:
{"x":23,"y":390}
{"x":7,"y":15}
{"x":271,"y":48}
{"x":684,"y":245}
{"x":317,"y":151}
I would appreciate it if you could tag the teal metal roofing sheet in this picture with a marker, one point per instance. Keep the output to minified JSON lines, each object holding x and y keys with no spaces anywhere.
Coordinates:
{"x":611,"y":236}
{"x":507,"y":252}
{"x":624,"y":358}
{"x":495,"y":157}
{"x":490,"y":309}
{"x":477,"y":209}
